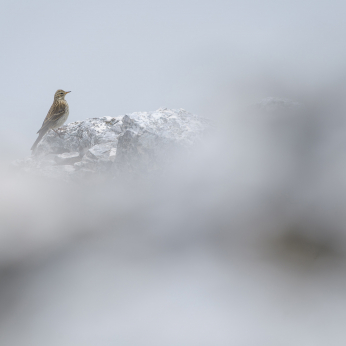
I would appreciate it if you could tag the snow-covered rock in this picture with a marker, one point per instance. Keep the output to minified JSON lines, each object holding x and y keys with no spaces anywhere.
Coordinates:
{"x":140,"y":142}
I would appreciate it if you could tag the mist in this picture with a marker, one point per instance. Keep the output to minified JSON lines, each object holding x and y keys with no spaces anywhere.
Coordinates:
{"x":239,"y":241}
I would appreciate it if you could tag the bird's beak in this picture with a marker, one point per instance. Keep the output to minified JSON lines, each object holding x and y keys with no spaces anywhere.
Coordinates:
{"x":66,"y":92}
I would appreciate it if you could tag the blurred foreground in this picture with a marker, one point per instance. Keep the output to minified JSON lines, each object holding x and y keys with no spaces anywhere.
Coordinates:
{"x":242,"y":245}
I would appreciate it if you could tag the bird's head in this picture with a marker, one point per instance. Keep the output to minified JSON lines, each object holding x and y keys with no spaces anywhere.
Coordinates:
{"x":60,"y":94}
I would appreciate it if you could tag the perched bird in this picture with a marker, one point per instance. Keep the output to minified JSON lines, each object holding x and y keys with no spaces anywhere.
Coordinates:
{"x":56,"y":116}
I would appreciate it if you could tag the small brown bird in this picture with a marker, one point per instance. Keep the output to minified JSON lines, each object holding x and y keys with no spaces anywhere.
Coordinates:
{"x":56,"y":116}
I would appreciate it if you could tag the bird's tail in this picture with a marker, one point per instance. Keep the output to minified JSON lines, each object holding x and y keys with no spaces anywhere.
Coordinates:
{"x":41,"y":134}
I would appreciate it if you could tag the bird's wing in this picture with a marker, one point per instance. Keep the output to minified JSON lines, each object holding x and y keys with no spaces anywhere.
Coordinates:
{"x":56,"y":111}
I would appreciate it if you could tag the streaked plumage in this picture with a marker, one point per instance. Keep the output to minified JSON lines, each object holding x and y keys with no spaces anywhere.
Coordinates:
{"x":56,"y":117}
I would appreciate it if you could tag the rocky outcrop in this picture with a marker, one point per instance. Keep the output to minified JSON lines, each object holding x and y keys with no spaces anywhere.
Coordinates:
{"x":137,"y":143}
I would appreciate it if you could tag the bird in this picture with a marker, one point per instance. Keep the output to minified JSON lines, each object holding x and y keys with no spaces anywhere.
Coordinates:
{"x":56,"y":117}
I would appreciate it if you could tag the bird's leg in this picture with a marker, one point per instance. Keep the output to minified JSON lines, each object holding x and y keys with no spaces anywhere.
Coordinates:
{"x":56,"y":132}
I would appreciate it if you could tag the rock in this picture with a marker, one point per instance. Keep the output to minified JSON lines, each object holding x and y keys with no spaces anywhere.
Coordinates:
{"x":276,"y":105}
{"x":100,"y":151}
{"x":143,"y":153}
{"x":80,"y":136}
{"x":67,"y":158}
{"x":87,"y":163}
{"x":138,"y":143}
{"x":112,"y":154}
{"x":150,"y":139}
{"x":78,"y":165}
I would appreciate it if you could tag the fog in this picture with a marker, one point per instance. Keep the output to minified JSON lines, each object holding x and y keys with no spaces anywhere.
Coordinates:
{"x":240,"y":241}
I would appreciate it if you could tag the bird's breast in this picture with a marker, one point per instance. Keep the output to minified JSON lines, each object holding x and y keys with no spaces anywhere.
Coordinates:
{"x":62,"y":119}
